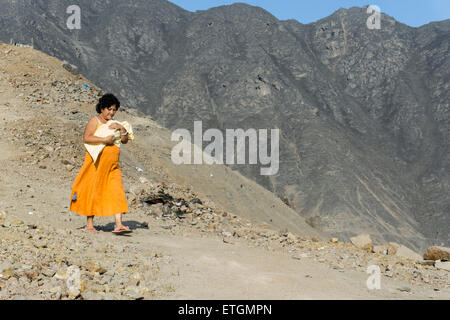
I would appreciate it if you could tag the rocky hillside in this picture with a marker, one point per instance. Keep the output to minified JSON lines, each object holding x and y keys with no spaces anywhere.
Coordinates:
{"x":186,"y":243}
{"x":364,"y":114}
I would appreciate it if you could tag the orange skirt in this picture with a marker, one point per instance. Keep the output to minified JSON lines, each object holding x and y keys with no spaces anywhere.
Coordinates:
{"x":98,"y":189}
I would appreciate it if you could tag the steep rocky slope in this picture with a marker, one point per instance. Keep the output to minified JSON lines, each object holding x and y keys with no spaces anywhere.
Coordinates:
{"x":185,"y":244}
{"x":364,"y":114}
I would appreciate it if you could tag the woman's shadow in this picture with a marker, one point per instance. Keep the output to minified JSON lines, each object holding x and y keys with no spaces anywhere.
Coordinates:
{"x":133,"y":225}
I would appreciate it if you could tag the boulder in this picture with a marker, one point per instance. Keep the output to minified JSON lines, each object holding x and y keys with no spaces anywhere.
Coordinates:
{"x":94,"y":267}
{"x":427,"y":263}
{"x":6,"y":267}
{"x":89,"y":295}
{"x":392,"y":248}
{"x":437,"y":253}
{"x":407,"y":253}
{"x":444,"y":265}
{"x":363,"y":241}
{"x":384,"y":249}
{"x":71,"y":68}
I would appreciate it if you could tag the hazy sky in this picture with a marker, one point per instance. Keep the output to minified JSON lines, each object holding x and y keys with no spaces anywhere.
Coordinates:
{"x":411,"y":12}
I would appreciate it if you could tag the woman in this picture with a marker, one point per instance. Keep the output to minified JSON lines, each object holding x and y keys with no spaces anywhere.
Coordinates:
{"x":98,"y":189}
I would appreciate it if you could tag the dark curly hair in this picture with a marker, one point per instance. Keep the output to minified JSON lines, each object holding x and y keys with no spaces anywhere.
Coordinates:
{"x":106,"y":101}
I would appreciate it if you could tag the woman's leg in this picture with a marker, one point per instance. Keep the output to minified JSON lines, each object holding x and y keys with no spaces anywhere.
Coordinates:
{"x":119,"y":225}
{"x":90,"y":224}
{"x":118,"y":218}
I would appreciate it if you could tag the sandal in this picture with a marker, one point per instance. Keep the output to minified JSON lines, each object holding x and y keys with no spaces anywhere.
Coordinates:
{"x":90,"y":229}
{"x":122,"y":230}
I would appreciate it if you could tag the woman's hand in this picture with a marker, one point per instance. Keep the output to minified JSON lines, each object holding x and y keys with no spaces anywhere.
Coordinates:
{"x":109,"y":141}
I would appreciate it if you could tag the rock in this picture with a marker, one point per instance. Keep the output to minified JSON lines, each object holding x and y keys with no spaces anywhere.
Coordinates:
{"x":71,"y":68}
{"x":56,"y":292}
{"x":143,"y":180}
{"x":227,"y":234}
{"x":291,"y":237}
{"x":133,"y":293}
{"x":442,"y":265}
{"x":89,"y":295}
{"x":404,"y":289}
{"x":334,"y":240}
{"x":240,"y":233}
{"x":363,"y":241}
{"x":6,"y":268}
{"x":106,"y":279}
{"x":48,"y":148}
{"x":437,"y":253}
{"x":93,"y":267}
{"x":6,"y":224}
{"x":16,"y":223}
{"x":40,"y":244}
{"x":73,"y":292}
{"x":392,"y":248}
{"x":426,"y":262}
{"x":227,"y":240}
{"x":381,"y":249}
{"x":157,"y":212}
{"x":299,"y":256}
{"x":48,"y":272}
{"x":61,"y":275}
{"x":283,"y":232}
{"x":407,"y":253}
{"x":2,"y":216}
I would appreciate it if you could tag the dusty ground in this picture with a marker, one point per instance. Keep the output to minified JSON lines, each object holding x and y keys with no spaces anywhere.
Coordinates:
{"x":217,"y":249}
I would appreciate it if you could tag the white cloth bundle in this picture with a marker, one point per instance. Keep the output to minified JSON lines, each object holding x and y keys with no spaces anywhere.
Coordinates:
{"x":104,"y":131}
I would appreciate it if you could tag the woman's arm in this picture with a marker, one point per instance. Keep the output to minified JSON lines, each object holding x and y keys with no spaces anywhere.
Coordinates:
{"x":89,"y":134}
{"x":124,"y":139}
{"x":122,"y":130}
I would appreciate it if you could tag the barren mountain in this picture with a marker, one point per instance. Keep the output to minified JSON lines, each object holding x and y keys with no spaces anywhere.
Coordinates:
{"x":364,"y":114}
{"x":198,"y":232}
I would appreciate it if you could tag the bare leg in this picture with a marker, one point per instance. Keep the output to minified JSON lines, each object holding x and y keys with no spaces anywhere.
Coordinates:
{"x":90,"y":224}
{"x":118,"y":218}
{"x":119,"y":225}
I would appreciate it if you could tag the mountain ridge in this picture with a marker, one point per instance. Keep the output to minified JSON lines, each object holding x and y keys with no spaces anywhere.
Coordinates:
{"x":363,"y":113}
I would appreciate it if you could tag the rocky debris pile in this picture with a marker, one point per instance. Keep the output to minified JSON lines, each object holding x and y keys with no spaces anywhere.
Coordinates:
{"x":440,"y":256}
{"x":46,"y":143}
{"x":44,"y":86}
{"x":180,"y":208}
{"x":437,"y":253}
{"x":47,"y":263}
{"x":428,"y":269}
{"x":433,"y":253}
{"x":175,"y":203}
{"x":59,"y":92}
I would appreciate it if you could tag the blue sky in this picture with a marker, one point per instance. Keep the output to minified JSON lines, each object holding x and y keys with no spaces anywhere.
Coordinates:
{"x":411,"y":12}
